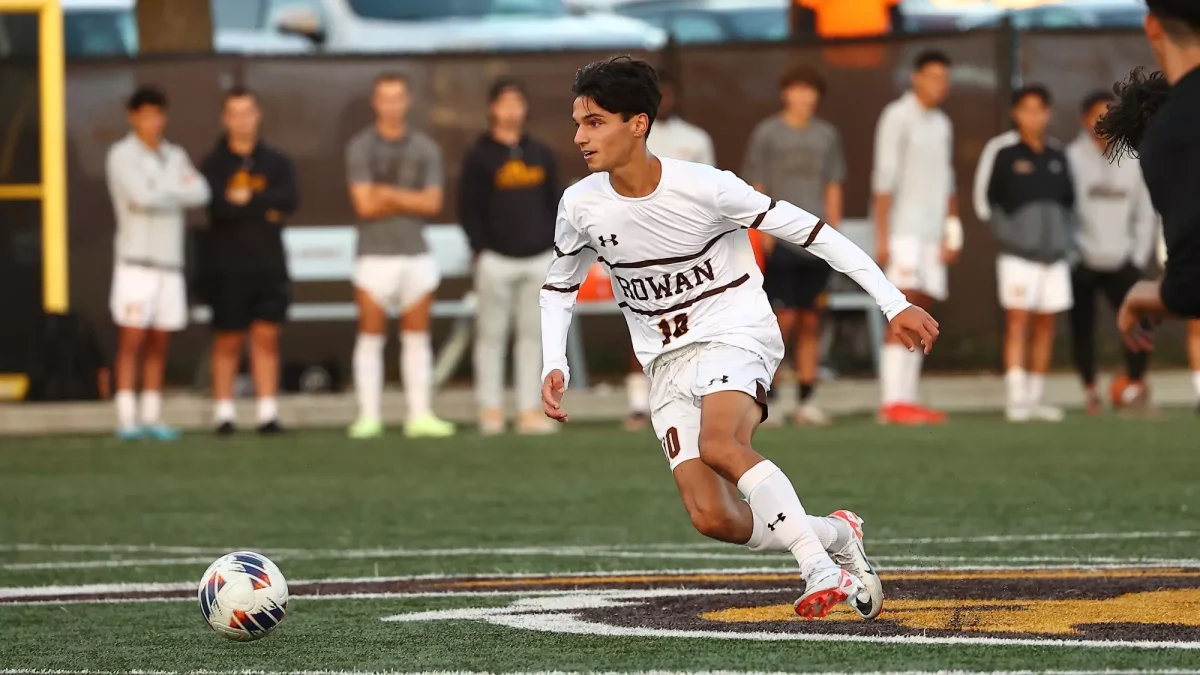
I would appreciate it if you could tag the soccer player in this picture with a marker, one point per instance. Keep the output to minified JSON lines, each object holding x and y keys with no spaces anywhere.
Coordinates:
{"x":1115,"y":238}
{"x":673,"y":235}
{"x":254,"y":188}
{"x":797,"y":157}
{"x":917,"y":229}
{"x":1032,"y":201}
{"x":395,"y":177}
{"x":151,"y":182}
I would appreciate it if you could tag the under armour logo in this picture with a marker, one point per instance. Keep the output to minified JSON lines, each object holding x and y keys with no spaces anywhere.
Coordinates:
{"x":724,"y":379}
{"x":612,"y":239}
{"x":778,"y":520}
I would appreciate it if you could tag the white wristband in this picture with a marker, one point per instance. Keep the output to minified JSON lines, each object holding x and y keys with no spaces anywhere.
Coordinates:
{"x":953,"y":238}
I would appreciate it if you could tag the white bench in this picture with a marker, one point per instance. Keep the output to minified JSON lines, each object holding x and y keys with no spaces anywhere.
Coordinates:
{"x":327,"y":254}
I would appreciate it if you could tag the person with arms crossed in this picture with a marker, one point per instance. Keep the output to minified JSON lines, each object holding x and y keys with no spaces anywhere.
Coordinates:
{"x":797,"y":157}
{"x":151,"y":182}
{"x":673,"y":235}
{"x":507,"y":201}
{"x":395,"y":178}
{"x":254,"y":189}
{"x":1115,"y":237}
{"x":917,"y":229}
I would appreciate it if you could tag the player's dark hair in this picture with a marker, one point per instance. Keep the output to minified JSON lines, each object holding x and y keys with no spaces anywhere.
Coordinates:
{"x":239,"y":91}
{"x":622,"y":85}
{"x":806,"y":76}
{"x":146,"y":95}
{"x":503,"y":86}
{"x":1138,"y":99}
{"x":1036,"y":90}
{"x":1180,"y":18}
{"x":1094,"y":99}
{"x":931,"y":57}
{"x":389,"y":77}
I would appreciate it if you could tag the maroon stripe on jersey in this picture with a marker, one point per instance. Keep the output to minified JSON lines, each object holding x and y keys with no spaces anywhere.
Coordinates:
{"x":559,"y":252}
{"x":670,"y":261}
{"x":556,"y":289}
{"x":812,"y":236}
{"x":759,"y":219}
{"x":684,"y":305}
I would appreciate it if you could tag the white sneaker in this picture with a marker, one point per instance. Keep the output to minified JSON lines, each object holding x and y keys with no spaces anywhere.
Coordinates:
{"x":848,"y":552}
{"x":1046,"y":413}
{"x":824,"y":589}
{"x":1017,"y":413}
{"x":808,"y":414}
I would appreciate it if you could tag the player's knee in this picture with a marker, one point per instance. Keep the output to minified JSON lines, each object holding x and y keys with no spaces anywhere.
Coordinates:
{"x":810,"y":321}
{"x":720,"y":451}
{"x":710,"y":520}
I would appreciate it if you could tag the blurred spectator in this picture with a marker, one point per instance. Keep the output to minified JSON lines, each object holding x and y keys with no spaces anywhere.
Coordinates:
{"x":508,"y":201}
{"x":917,"y":229}
{"x":151,"y":182}
{"x":797,"y":157}
{"x":246,"y":277}
{"x":1117,"y":226}
{"x":395,"y":181}
{"x":1032,"y":200}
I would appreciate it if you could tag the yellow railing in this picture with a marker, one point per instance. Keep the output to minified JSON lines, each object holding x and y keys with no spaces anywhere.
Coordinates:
{"x":52,"y":191}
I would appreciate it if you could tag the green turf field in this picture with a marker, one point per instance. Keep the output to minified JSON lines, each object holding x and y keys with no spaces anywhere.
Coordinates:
{"x":1003,"y":548}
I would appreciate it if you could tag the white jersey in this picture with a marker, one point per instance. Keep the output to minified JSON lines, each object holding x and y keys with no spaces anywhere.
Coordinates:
{"x":681,"y":264}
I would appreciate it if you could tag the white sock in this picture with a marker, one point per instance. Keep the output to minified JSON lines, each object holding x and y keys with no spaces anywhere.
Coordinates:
{"x":1017,"y":387}
{"x":126,"y":409}
{"x":1196,"y":381}
{"x":416,"y":372}
{"x":1037,"y":385}
{"x":151,"y":406}
{"x":224,"y":411}
{"x":763,"y":539}
{"x":773,"y":499}
{"x":637,"y":387}
{"x":912,"y":374}
{"x":891,"y":373}
{"x":368,"y":375}
{"x":268,"y":409}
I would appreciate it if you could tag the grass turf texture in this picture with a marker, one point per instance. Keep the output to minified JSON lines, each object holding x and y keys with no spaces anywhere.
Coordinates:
{"x":590,"y":486}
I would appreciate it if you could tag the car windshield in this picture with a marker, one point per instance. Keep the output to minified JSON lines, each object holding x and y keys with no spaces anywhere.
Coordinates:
{"x":768,"y":24}
{"x":423,"y":10}
{"x":87,"y":33}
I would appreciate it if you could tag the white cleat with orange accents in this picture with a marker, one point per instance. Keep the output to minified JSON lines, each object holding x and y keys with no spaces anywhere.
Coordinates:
{"x":824,"y":589}
{"x":848,"y":552}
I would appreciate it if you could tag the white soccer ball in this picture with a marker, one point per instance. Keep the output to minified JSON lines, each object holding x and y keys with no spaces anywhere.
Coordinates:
{"x":243,"y":596}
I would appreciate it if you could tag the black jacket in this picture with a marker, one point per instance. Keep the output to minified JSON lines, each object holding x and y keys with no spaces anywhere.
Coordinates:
{"x":508,"y":199}
{"x":243,"y":237}
{"x":1033,"y":203}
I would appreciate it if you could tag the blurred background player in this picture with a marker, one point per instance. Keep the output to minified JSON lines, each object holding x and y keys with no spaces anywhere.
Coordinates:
{"x":1032,"y":201}
{"x":253,"y":189}
{"x":1115,"y":237}
{"x":797,"y":157}
{"x":395,"y":178}
{"x":151,"y":182}
{"x":507,"y":202}
{"x":673,"y":138}
{"x":917,"y":229}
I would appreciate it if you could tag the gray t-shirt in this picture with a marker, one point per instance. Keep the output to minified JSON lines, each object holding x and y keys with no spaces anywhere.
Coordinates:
{"x":413,"y":162}
{"x":795,"y":165}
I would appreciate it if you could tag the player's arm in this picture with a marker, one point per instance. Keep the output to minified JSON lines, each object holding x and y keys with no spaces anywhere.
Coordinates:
{"x":130,"y":184}
{"x":425,"y":201}
{"x":885,"y":174}
{"x":189,"y":186}
{"x":573,"y":257}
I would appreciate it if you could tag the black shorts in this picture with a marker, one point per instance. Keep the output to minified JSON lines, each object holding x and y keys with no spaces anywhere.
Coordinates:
{"x":241,"y":298}
{"x":795,"y":284}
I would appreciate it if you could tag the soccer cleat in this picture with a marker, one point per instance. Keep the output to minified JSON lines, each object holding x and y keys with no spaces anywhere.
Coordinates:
{"x":491,"y":422}
{"x":1017,"y":413}
{"x":847,"y":551}
{"x":808,"y":414}
{"x":428,"y":426}
{"x":131,"y":434}
{"x":226,"y":428}
{"x":162,"y":432}
{"x":907,"y":414}
{"x":365,"y":428}
{"x":271,"y":428}
{"x":1046,"y":413}
{"x":535,"y":423}
{"x":824,"y":589}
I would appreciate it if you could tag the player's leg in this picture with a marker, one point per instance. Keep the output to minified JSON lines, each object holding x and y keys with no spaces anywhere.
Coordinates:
{"x":130,"y":304}
{"x":810,"y":294}
{"x":1016,"y":288}
{"x":779,"y":283}
{"x":1083,"y":333}
{"x":1051,"y":297}
{"x":230,"y":321}
{"x":1115,"y":286}
{"x":899,"y":369}
{"x":375,"y":281}
{"x":269,"y":311}
{"x":495,"y":296}
{"x":1193,"y":350}
{"x":169,"y":316}
{"x":527,"y":367}
{"x":420,"y":280}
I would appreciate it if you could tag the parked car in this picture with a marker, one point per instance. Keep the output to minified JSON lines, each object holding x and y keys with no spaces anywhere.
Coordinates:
{"x":1077,"y":14}
{"x":707,"y":21}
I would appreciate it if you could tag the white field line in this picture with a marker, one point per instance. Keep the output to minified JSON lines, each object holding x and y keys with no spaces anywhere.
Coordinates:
{"x":20,"y":671}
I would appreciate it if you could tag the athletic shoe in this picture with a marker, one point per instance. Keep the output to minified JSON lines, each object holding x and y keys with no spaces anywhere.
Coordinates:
{"x":365,"y":428}
{"x":271,"y":428}
{"x":491,"y":422}
{"x":162,"y":432}
{"x":847,"y":551}
{"x":428,"y":426}
{"x":1094,"y":404}
{"x":1046,"y":413}
{"x":930,"y":415}
{"x":131,"y":434}
{"x":824,"y":589}
{"x":1017,"y":413}
{"x":903,"y":414}
{"x":535,"y":423}
{"x":809,"y":414}
{"x":226,"y":428}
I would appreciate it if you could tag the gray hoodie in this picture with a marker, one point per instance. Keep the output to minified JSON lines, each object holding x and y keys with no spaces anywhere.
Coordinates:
{"x":1117,"y":223}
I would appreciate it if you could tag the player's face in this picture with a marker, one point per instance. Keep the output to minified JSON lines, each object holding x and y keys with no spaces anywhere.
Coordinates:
{"x":241,"y":117}
{"x":606,"y":140}
{"x":148,"y":122}
{"x":1031,"y":116}
{"x":800,"y":99}
{"x":509,"y":109}
{"x":932,"y":83}
{"x":390,"y":101}
{"x":1093,"y":115}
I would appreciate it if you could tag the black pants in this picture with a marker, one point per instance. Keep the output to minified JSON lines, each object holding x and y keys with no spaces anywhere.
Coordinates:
{"x":1085,"y":283}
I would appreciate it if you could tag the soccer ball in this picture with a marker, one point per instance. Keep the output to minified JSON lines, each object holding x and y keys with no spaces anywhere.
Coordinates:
{"x":243,"y":596}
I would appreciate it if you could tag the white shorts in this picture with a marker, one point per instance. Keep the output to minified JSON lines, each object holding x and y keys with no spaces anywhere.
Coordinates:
{"x":915,"y":264}
{"x":397,"y":281}
{"x":679,"y":380}
{"x":1041,"y":288}
{"x":148,"y":298}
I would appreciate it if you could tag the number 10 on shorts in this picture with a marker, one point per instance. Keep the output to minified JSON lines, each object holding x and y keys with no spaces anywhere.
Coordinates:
{"x":680,"y":327}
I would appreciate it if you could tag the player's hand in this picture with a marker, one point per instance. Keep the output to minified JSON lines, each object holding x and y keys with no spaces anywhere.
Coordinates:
{"x":552,"y":393}
{"x":949,"y":255}
{"x":1134,"y":321}
{"x":238,"y":196}
{"x":916,"y":328}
